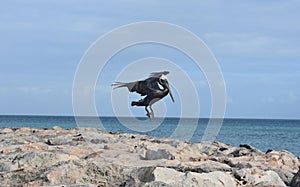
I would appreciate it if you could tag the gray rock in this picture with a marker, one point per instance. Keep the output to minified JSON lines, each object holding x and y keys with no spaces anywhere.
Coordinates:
{"x":167,"y":175}
{"x":5,"y":167}
{"x":159,"y":154}
{"x":145,"y":174}
{"x":208,"y":148}
{"x":36,"y":159}
{"x":157,"y":184}
{"x":61,"y":140}
{"x":256,"y":176}
{"x":202,"y":167}
{"x":213,"y":179}
{"x":210,"y":166}
{"x":98,"y":141}
{"x":286,"y":176}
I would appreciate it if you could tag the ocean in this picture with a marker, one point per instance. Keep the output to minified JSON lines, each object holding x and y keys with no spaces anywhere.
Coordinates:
{"x":264,"y":134}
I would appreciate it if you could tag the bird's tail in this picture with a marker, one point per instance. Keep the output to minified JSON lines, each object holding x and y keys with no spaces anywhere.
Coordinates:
{"x":129,"y":85}
{"x":118,"y":85}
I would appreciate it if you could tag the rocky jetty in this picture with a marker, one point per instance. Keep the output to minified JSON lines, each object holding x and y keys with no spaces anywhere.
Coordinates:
{"x":92,"y":157}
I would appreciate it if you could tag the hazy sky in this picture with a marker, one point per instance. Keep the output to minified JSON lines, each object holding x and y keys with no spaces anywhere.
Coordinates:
{"x":256,"y":43}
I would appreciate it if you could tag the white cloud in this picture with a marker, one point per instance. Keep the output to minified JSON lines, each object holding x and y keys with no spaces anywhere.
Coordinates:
{"x":250,"y":45}
{"x":285,"y":98}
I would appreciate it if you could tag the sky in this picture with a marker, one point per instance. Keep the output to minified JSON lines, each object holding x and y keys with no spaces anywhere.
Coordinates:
{"x":256,"y":44}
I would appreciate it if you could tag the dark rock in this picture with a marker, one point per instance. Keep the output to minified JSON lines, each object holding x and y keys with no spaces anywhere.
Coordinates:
{"x":145,"y":174}
{"x":77,"y":135}
{"x":48,"y":142}
{"x":252,"y":150}
{"x":246,"y":146}
{"x":296,"y":180}
{"x":78,"y":138}
{"x":245,"y":150}
{"x":128,"y":183}
{"x":223,"y":148}
{"x":114,"y":133}
{"x":239,"y":152}
{"x":269,"y":150}
{"x":156,"y":141}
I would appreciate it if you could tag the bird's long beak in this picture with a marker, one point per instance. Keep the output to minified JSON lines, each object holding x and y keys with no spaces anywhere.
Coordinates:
{"x":170,"y":92}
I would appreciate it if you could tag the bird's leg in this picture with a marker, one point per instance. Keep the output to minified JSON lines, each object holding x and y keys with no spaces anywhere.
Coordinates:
{"x":148,"y":113}
{"x":152,"y":112}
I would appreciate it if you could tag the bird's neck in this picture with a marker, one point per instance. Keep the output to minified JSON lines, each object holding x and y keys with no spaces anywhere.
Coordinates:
{"x":165,"y":91}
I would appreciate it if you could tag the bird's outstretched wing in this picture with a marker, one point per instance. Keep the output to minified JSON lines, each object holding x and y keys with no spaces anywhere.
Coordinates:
{"x":144,"y":87}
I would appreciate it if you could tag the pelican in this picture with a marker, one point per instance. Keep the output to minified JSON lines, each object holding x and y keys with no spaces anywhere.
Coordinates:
{"x":153,"y":88}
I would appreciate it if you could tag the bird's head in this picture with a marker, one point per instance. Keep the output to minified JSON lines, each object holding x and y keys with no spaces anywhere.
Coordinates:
{"x":165,"y":83}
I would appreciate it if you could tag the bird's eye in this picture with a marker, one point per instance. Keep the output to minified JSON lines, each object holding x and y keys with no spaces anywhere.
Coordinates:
{"x":160,"y":81}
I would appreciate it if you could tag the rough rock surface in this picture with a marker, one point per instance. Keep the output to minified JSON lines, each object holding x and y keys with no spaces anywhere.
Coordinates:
{"x":296,"y":180}
{"x":92,"y":157}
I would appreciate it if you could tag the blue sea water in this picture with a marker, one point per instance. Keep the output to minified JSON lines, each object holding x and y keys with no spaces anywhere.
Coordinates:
{"x":263,"y":134}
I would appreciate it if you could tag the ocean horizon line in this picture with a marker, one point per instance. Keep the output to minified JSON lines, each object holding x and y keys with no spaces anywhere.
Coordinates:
{"x":142,"y":117}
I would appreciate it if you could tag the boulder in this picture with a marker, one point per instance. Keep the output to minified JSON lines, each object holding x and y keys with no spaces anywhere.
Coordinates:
{"x":281,"y":159}
{"x":212,"y":179}
{"x":256,"y":176}
{"x":167,"y":175}
{"x":286,"y":176}
{"x":40,"y":160}
{"x":175,"y":178}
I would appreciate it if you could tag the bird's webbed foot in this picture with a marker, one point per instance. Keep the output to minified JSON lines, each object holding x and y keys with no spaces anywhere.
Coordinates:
{"x":150,"y":115}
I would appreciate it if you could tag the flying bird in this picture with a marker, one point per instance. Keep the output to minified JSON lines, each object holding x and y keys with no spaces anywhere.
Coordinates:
{"x":153,"y":88}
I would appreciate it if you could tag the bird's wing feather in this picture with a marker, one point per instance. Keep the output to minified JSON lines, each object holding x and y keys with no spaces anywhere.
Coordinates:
{"x":144,"y":87}
{"x":129,"y":85}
